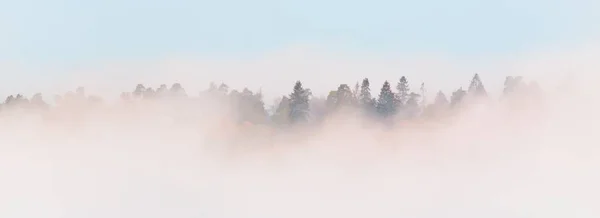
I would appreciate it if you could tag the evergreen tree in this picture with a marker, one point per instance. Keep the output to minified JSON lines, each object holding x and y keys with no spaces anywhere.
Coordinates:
{"x":439,"y":105}
{"x":139,"y":91}
{"x":457,"y":97}
{"x":223,"y":89}
{"x":10,"y":100}
{"x":162,"y":91}
{"x":149,"y":93}
{"x":386,"y":103}
{"x":331,"y":101}
{"x":412,"y":105}
{"x":299,"y":103}
{"x":513,"y":84}
{"x":177,"y":90}
{"x":365,"y":99}
{"x":355,"y":93}
{"x":344,"y":96}
{"x":413,"y":101}
{"x":476,"y":87}
{"x":38,"y":101}
{"x":21,"y":100}
{"x":260,"y":114}
{"x":403,"y":91}
{"x":282,"y":113}
{"x":250,"y":106}
{"x":441,"y":100}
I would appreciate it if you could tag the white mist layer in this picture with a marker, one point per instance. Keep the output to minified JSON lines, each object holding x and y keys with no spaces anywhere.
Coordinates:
{"x":489,"y":162}
{"x":492,"y":161}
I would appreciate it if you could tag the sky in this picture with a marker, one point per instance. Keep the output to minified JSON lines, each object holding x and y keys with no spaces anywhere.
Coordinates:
{"x":53,"y":40}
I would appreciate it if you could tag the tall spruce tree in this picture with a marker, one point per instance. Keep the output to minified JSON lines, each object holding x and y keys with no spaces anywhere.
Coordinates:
{"x":365,"y":99}
{"x":476,"y":87}
{"x":386,"y":103}
{"x":299,"y":103}
{"x":403,"y":90}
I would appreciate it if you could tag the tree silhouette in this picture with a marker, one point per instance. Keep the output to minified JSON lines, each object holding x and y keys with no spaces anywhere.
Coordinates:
{"x":403,"y":91}
{"x":177,"y":90}
{"x":38,"y":102}
{"x":386,"y":103}
{"x":457,"y":97}
{"x":365,"y":99}
{"x":476,"y":87}
{"x":299,"y":103}
{"x":139,"y":91}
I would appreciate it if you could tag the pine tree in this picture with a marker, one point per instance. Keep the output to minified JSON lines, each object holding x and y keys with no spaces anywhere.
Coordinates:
{"x":38,"y":101}
{"x":282,"y":113}
{"x":299,"y":103}
{"x":22,"y":100}
{"x":331,"y":101}
{"x":413,"y":102}
{"x":441,"y":100}
{"x":162,"y":91}
{"x":457,"y":96}
{"x":365,"y":99}
{"x":411,"y":107}
{"x":10,"y":100}
{"x":403,"y":91}
{"x":386,"y":103}
{"x":476,"y":87}
{"x":513,"y":84}
{"x":149,"y":93}
{"x":223,"y":89}
{"x":139,"y":91}
{"x":344,"y":96}
{"x":177,"y":90}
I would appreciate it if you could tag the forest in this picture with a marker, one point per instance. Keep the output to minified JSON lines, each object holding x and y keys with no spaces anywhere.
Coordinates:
{"x":392,"y":103}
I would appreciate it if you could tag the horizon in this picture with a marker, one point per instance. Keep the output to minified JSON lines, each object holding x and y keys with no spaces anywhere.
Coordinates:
{"x":65,"y":43}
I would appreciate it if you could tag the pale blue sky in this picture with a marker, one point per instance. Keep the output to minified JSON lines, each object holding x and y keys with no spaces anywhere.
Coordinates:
{"x":38,"y":31}
{"x":35,"y":34}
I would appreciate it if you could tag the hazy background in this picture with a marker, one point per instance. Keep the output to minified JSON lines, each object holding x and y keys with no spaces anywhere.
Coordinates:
{"x":490,"y":162}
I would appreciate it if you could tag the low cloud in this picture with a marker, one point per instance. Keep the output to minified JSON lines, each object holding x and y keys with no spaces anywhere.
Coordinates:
{"x":489,"y":161}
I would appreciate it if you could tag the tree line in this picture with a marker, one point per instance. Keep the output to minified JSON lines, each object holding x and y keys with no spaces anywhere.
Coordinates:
{"x":391,"y":102}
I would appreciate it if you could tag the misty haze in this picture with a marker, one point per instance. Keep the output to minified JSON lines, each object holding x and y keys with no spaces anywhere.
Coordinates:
{"x":299,"y":109}
{"x":358,"y":152}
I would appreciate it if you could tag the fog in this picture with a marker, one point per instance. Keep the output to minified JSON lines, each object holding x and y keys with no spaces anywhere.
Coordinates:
{"x":488,"y":160}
